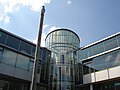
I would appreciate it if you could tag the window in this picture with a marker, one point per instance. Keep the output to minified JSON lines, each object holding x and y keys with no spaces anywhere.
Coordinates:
{"x":86,"y":53}
{"x":1,"y":51}
{"x":110,"y":43}
{"x":99,"y":63}
{"x":33,"y":50}
{"x":22,"y":62}
{"x":2,"y":37}
{"x":9,"y":57}
{"x":25,"y":47}
{"x":98,"y":48}
{"x":31,"y":65}
{"x":62,"y":59}
{"x":88,"y":67}
{"x":41,"y":54}
{"x":113,"y":59}
{"x":13,"y":42}
{"x":118,"y":39}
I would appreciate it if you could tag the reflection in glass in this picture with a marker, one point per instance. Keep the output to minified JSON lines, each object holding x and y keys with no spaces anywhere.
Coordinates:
{"x":98,"y":48}
{"x":99,"y":63}
{"x":1,"y":52}
{"x":118,"y":37}
{"x":9,"y":57}
{"x":32,"y":50}
{"x":88,"y":67}
{"x":25,"y":47}
{"x":2,"y":37}
{"x":62,"y":43}
{"x":110,"y":43}
{"x":86,"y":52}
{"x":113,"y":59}
{"x":31,"y":65}
{"x":13,"y":42}
{"x":22,"y":62}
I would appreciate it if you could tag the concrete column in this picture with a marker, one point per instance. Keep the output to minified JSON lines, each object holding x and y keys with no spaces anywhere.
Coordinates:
{"x":91,"y":87}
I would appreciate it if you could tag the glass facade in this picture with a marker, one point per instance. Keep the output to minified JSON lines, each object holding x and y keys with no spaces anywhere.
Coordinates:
{"x":100,"y":65}
{"x":2,"y":37}
{"x":100,"y":47}
{"x":63,"y":44}
{"x":16,"y":63}
{"x":11,"y":44}
{"x":9,"y":57}
{"x":78,"y":74}
{"x":22,"y":62}
{"x":62,"y":66}
{"x":102,"y":62}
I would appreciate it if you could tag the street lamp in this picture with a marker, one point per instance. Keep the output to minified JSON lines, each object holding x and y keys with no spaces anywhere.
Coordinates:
{"x":37,"y":52}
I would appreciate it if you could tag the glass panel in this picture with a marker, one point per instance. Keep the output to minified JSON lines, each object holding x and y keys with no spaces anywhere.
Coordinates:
{"x":9,"y":57}
{"x":99,"y":63}
{"x":22,"y":62}
{"x":86,"y":53}
{"x":2,"y":37}
{"x":31,"y":65}
{"x":1,"y":52}
{"x":41,"y":54}
{"x":88,"y":67}
{"x":98,"y":48}
{"x":111,"y":43}
{"x":13,"y":42}
{"x":118,"y":39}
{"x":113,"y":59}
{"x":25,"y":47}
{"x":62,"y":59}
{"x":33,"y":50}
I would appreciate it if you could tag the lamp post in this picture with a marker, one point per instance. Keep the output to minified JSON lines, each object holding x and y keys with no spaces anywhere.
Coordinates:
{"x":37,"y":52}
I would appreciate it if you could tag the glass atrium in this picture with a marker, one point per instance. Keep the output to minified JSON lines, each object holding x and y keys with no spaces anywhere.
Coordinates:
{"x":63,"y":44}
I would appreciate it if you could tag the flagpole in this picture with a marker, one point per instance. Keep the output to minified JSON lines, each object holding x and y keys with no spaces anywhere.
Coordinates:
{"x":37,"y":52}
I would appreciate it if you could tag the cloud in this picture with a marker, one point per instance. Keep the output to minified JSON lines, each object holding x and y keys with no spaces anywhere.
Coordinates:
{"x":69,"y":2}
{"x":45,"y":26}
{"x":114,"y":59}
{"x":42,"y":40}
{"x":44,"y":34}
{"x":9,"y":6}
{"x":6,"y":19}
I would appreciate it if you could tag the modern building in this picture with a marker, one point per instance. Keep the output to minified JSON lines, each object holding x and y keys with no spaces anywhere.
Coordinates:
{"x":16,"y":63}
{"x":63,"y":64}
{"x":63,"y":44}
{"x":100,"y":65}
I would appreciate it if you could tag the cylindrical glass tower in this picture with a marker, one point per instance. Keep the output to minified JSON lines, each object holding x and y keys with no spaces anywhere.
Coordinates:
{"x":63,"y":44}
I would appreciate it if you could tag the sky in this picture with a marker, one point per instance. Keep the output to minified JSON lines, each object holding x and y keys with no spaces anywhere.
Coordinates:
{"x":92,"y":20}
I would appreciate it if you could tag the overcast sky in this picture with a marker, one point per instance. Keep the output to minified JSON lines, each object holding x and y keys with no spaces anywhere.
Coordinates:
{"x":92,"y":20}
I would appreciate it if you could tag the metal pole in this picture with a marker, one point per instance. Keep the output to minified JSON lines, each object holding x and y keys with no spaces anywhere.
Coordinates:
{"x":37,"y":52}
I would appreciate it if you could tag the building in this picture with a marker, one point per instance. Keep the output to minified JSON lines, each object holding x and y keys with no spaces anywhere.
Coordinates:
{"x":100,"y":65}
{"x":63,"y":44}
{"x":63,"y":64}
{"x":16,"y":63}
